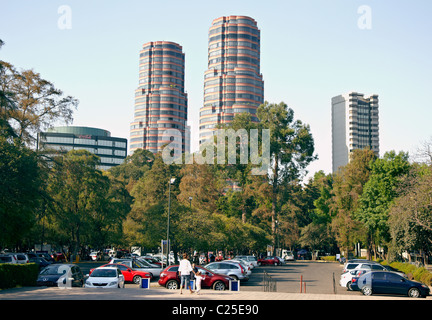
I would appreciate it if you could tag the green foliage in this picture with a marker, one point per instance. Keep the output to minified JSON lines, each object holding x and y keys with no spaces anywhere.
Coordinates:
{"x":378,"y":195}
{"x":19,"y":191}
{"x":13,"y":275}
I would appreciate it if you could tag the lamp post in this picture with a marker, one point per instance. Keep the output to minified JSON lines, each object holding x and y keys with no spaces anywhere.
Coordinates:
{"x":172,"y":180}
{"x":190,"y":201}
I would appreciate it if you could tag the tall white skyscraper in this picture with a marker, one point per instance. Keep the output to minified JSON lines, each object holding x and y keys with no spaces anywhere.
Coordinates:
{"x":355,"y":125}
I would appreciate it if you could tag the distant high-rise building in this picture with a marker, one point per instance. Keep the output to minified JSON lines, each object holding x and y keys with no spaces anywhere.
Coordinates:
{"x":160,"y":99}
{"x":233,"y":82}
{"x":112,"y":151}
{"x":355,"y":125}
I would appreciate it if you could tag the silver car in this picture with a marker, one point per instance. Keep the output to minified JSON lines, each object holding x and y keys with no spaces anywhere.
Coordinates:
{"x":232,"y":269}
{"x":251,"y":259}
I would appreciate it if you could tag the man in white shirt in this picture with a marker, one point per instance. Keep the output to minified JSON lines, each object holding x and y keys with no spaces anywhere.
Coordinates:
{"x":185,"y":269}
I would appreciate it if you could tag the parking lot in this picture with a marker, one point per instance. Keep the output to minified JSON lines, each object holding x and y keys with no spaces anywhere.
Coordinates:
{"x":316,"y":277}
{"x":299,"y":280}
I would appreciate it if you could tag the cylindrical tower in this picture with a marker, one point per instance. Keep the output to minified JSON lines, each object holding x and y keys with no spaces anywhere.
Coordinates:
{"x":233,"y":82}
{"x":160,"y":99}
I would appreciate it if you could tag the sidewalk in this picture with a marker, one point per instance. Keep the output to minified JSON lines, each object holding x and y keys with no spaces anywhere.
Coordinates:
{"x":42,"y":293}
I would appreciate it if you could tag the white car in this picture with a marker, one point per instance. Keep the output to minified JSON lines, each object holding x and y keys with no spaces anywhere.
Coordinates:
{"x":289,"y":256}
{"x":105,"y":278}
{"x":346,"y":278}
{"x":252,"y":259}
{"x":8,"y":258}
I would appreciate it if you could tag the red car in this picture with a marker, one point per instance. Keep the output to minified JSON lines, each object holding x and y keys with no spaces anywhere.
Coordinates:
{"x":129,"y":274}
{"x":269,"y":261}
{"x":170,"y":279}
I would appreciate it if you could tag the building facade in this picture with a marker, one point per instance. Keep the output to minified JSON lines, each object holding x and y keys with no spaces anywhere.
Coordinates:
{"x":160,"y":99}
{"x":111,"y":151}
{"x":232,"y":83}
{"x":355,"y":125}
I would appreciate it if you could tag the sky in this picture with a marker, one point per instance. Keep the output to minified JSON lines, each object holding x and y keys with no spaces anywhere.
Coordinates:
{"x":311,"y":51}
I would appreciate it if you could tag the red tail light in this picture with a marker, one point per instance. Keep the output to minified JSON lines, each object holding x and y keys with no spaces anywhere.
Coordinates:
{"x":354,"y":280}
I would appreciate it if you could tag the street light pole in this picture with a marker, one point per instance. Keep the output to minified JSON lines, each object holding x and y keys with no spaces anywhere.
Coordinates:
{"x":171,"y":181}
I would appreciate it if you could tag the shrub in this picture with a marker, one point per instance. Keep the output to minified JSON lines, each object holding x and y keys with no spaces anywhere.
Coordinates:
{"x":12,"y":275}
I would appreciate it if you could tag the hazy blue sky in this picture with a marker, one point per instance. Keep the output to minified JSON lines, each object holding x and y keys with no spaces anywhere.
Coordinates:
{"x":310,"y":51}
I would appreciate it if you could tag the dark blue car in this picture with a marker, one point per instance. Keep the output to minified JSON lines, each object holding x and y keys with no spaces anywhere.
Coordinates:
{"x":387,"y":282}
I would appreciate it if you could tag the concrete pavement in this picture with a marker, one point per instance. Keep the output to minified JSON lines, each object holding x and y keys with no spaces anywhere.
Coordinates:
{"x":136,"y":293}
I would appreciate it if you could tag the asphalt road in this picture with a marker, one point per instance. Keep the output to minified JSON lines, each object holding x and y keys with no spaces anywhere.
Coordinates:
{"x":299,"y":277}
{"x":316,"y":277}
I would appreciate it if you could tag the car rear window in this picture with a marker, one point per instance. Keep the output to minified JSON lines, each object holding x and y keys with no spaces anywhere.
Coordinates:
{"x":352,"y":265}
{"x":173,"y":269}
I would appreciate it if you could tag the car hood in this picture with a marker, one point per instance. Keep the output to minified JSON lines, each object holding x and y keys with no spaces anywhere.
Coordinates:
{"x":101,"y":279}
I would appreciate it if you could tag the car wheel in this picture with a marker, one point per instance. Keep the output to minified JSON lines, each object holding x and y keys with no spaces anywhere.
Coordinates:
{"x":136,"y":279}
{"x":349,"y":288}
{"x":414,"y":293}
{"x":367,"y":291}
{"x":219,"y":286}
{"x":172,"y":285}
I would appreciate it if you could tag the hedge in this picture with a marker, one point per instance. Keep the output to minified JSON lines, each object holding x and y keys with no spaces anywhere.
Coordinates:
{"x":413,"y":272}
{"x":13,"y":275}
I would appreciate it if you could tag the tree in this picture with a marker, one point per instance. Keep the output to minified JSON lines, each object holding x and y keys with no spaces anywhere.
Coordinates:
{"x":30,"y":103}
{"x":378,"y":195}
{"x":83,"y":206}
{"x":347,"y":188}
{"x":19,"y":192}
{"x":410,"y":218}
{"x":291,"y":149}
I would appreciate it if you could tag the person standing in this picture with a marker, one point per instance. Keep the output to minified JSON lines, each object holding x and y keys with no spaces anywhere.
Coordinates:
{"x":185,"y":269}
{"x":198,"y":279}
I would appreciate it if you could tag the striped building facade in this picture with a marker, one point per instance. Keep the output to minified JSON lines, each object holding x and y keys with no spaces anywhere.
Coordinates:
{"x":232,"y":83}
{"x":160,"y":99}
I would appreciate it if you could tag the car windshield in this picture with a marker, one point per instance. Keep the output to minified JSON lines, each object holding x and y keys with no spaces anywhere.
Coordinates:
{"x":54,"y":270}
{"x":104,"y":273}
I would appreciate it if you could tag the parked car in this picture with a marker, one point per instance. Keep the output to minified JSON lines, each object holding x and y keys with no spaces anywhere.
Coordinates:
{"x":170,"y":279}
{"x":361,"y":265}
{"x":388,"y":282}
{"x":8,"y":258}
{"x":109,"y":277}
{"x":289,"y":256}
{"x":252,"y":259}
{"x":130,"y":275}
{"x":389,"y":268}
{"x":41,"y":262}
{"x":22,"y":258}
{"x":303,"y":254}
{"x":232,"y":269}
{"x":244,"y":264}
{"x":270,"y":260}
{"x":150,"y":260}
{"x":58,"y":257}
{"x":55,"y":274}
{"x":346,"y":278}
{"x":140,"y":265}
{"x":46,"y":256}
